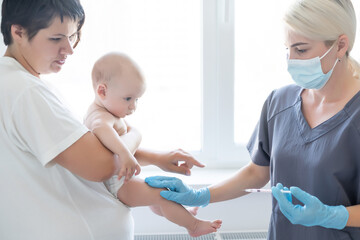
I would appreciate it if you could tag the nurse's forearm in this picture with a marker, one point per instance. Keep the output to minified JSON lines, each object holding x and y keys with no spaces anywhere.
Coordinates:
{"x":354,"y":216}
{"x":250,"y":176}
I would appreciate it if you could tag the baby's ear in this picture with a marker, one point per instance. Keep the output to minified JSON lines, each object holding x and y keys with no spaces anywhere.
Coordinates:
{"x":101,"y":90}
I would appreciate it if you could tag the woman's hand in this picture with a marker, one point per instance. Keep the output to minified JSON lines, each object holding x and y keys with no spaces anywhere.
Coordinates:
{"x":177,"y":161}
{"x":180,"y":192}
{"x":313,"y":213}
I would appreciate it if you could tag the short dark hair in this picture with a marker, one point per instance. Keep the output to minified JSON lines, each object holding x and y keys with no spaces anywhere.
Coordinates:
{"x":34,"y":15}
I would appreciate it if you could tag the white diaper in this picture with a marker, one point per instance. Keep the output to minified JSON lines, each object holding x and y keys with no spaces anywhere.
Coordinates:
{"x":114,"y":184}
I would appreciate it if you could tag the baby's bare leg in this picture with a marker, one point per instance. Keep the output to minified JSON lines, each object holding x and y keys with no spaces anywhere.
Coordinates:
{"x":136,"y":192}
{"x":157,"y":210}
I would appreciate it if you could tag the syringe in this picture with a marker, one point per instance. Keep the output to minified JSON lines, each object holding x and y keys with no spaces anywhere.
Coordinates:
{"x":255,"y":190}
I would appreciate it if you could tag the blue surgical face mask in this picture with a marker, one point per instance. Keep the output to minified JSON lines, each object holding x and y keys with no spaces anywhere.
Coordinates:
{"x":307,"y":73}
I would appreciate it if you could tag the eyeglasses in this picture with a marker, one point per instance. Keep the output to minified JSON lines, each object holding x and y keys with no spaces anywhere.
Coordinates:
{"x":74,"y":39}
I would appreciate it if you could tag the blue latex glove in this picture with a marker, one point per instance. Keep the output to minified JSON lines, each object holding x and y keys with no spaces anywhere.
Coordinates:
{"x":313,"y":213}
{"x":180,"y":192}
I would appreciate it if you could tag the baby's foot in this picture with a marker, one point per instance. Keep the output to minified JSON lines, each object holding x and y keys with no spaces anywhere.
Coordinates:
{"x":193,"y":210}
{"x":204,"y":227}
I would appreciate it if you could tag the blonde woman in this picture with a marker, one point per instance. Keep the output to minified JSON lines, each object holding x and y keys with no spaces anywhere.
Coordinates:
{"x":308,"y":136}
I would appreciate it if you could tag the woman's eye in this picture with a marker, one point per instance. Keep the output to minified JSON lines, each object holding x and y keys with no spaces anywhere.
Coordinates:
{"x":128,"y":99}
{"x":301,"y":50}
{"x":55,"y":39}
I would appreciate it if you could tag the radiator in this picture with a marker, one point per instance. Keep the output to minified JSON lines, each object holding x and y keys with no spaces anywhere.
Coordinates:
{"x":261,"y":235}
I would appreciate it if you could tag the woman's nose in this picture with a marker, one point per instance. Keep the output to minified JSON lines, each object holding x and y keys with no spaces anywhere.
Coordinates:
{"x":67,"y":49}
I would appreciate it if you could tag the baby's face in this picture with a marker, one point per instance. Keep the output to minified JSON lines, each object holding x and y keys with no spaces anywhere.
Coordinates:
{"x":123,"y":92}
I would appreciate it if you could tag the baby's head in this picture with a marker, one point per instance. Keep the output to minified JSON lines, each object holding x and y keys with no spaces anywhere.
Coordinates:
{"x":117,"y":83}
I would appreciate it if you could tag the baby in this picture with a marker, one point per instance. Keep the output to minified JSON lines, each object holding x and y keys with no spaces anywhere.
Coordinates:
{"x":118,"y":84}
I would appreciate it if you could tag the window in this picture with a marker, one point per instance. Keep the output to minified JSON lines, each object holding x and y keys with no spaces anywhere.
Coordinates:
{"x":260,"y":64}
{"x":239,"y":68}
{"x":209,"y":66}
{"x":164,"y":38}
{"x":260,"y":60}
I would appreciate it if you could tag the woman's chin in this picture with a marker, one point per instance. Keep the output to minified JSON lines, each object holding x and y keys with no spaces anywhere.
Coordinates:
{"x":55,"y":69}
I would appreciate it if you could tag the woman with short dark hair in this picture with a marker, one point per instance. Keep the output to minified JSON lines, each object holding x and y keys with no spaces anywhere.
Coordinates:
{"x":51,"y":166}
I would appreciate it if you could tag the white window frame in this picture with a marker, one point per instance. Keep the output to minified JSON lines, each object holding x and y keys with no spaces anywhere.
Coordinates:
{"x":218,"y":143}
{"x":218,"y":147}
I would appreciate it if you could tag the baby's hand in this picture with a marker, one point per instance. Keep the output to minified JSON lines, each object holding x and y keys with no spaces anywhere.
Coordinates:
{"x":129,"y":167}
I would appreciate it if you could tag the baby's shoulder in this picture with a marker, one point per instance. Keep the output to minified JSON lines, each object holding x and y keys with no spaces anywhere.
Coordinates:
{"x":97,"y":115}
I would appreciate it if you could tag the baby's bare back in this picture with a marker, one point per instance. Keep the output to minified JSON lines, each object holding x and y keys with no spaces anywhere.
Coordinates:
{"x":98,"y":115}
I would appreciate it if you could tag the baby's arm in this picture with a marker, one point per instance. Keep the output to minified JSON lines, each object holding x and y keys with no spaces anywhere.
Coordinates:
{"x":132,"y":138}
{"x":102,"y":125}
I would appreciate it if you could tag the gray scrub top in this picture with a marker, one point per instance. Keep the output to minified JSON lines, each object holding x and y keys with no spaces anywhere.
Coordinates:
{"x":323,"y":161}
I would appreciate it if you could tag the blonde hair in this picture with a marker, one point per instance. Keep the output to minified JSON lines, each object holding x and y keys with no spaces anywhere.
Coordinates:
{"x":325,"y":20}
{"x":106,"y":67}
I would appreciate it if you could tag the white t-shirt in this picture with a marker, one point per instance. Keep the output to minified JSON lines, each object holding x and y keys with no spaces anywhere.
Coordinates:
{"x":40,"y":200}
